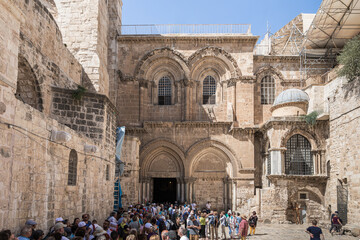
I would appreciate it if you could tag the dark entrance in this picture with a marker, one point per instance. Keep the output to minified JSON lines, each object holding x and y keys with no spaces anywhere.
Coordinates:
{"x":164,"y":190}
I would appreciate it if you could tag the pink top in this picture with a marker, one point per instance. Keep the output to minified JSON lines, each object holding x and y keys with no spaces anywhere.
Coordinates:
{"x":244,"y":226}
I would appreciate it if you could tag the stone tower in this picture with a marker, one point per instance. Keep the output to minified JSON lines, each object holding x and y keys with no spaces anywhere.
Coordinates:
{"x":89,"y":28}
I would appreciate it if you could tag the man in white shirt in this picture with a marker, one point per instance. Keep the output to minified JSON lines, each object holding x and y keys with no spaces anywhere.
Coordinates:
{"x":182,"y":233}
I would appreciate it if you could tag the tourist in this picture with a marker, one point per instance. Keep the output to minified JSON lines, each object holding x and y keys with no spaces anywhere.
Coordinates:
{"x":211,"y":224}
{"x":59,"y":229}
{"x":208,"y":207}
{"x":238,"y":221}
{"x":38,"y":235}
{"x":86,"y":219}
{"x":114,"y":235}
{"x":202,"y":221}
{"x":182,"y":233}
{"x":113,"y":221}
{"x":336,"y":223}
{"x":193,"y":228}
{"x":25,"y":233}
{"x":314,"y":231}
{"x":223,"y":225}
{"x":7,"y":235}
{"x":217,"y":223}
{"x":252,"y":223}
{"x":100,"y":234}
{"x":244,"y":226}
{"x":134,"y":224}
{"x":106,"y":227}
{"x":331,"y":222}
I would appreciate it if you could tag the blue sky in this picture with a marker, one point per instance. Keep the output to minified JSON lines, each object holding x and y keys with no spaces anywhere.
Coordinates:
{"x":254,"y":12}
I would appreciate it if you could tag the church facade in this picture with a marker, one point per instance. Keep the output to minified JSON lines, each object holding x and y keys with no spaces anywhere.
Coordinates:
{"x":209,"y":116}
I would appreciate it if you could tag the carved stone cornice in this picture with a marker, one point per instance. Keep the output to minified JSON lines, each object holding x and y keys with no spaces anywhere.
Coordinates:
{"x":276,"y":58}
{"x":209,"y":38}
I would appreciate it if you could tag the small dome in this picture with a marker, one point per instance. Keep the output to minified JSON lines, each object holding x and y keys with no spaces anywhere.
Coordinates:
{"x":291,"y":96}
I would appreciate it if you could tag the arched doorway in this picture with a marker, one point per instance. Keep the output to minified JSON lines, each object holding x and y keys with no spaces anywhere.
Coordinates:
{"x":161,"y":173}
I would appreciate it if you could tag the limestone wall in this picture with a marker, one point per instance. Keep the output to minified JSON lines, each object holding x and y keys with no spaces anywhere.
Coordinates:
{"x":343,"y":157}
{"x":34,"y":167}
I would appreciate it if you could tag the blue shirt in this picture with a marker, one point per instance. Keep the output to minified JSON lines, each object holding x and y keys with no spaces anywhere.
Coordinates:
{"x":316,"y":231}
{"x":23,"y":238}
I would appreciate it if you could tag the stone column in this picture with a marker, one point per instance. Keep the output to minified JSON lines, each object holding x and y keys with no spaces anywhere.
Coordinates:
{"x":233,"y":183}
{"x":225,"y":194}
{"x":230,"y":193}
{"x":148,"y":189}
{"x":322,"y":162}
{"x":193,"y":191}
{"x":277,"y":160}
{"x":140,"y":200}
{"x":182,"y":192}
{"x":178,"y":190}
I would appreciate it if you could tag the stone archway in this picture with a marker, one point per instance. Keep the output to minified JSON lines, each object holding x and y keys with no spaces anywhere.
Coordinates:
{"x":160,"y":159}
{"x":210,"y":166}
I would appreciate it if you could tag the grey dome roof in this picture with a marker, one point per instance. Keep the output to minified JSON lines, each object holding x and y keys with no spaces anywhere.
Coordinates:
{"x":291,"y":96}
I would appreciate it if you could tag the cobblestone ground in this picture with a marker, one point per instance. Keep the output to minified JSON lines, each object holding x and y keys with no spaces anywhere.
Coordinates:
{"x":289,"y":232}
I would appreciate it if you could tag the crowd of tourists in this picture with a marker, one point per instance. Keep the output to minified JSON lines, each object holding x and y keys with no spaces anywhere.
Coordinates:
{"x":146,"y":222}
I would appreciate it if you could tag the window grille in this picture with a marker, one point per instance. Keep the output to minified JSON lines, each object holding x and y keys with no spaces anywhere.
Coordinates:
{"x":269,"y":163}
{"x":209,"y":90}
{"x":107,"y":173}
{"x":72,"y":168}
{"x":298,"y":157}
{"x":267,"y":90}
{"x":303,"y":196}
{"x":164,"y":93}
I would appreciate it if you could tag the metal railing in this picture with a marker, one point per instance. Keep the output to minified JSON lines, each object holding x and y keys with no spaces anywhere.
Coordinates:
{"x":158,"y":29}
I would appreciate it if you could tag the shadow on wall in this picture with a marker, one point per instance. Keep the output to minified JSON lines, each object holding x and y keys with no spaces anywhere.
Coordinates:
{"x":352,"y":89}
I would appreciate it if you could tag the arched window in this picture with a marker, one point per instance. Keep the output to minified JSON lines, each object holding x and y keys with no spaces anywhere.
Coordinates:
{"x":298,"y":157}
{"x":164,"y":92}
{"x":72,"y":168}
{"x":209,"y":90}
{"x":267,"y":90}
{"x":28,"y":89}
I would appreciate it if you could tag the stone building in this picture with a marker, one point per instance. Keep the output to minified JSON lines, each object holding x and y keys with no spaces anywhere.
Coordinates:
{"x":57,"y":140}
{"x":215,"y":117}
{"x":209,"y":116}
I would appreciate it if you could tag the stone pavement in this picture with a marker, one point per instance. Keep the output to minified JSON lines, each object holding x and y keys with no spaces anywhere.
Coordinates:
{"x":289,"y":232}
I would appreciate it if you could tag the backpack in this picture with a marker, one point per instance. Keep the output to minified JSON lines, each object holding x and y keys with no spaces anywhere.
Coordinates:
{"x":162,"y":225}
{"x":252,"y":221}
{"x":211,"y":220}
{"x":169,"y":224}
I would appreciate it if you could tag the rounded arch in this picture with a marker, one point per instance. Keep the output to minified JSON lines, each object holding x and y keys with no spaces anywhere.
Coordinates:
{"x":162,"y":158}
{"x":218,"y":149}
{"x":315,"y":144}
{"x":215,"y":58}
{"x":28,"y":89}
{"x":268,"y":70}
{"x":158,"y":59}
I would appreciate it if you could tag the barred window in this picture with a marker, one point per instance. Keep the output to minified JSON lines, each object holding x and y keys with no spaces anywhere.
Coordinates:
{"x":267,"y":90}
{"x":164,"y":92}
{"x":72,"y":168}
{"x":107,"y":172}
{"x":298,"y":157}
{"x":209,"y":90}
{"x":269,"y":162}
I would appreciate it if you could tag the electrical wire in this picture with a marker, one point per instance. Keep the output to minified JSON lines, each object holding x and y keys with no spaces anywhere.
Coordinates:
{"x":17,"y":128}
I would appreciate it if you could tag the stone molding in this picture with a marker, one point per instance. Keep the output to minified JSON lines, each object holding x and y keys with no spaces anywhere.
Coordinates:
{"x":190,"y":39}
{"x":276,"y":58}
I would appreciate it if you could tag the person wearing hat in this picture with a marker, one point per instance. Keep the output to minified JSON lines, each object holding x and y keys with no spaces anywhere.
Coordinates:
{"x":252,"y":223}
{"x":244,"y":227}
{"x":59,"y":228}
{"x":25,"y":233}
{"x":100,"y":233}
{"x":32,"y":224}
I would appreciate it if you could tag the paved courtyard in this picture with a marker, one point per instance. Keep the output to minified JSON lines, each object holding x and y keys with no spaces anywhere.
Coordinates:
{"x":289,"y":232}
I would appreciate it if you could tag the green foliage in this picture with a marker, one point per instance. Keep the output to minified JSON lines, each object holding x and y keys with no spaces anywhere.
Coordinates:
{"x":350,"y":58}
{"x":311,"y":118}
{"x":79,"y":92}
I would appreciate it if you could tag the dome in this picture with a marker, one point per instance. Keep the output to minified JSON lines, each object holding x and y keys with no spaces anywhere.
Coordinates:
{"x":291,"y":96}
